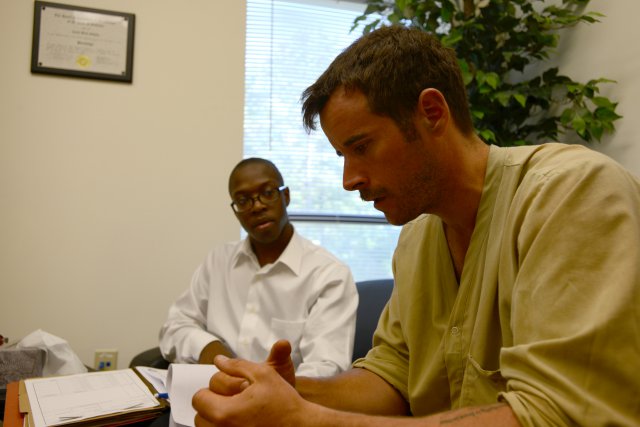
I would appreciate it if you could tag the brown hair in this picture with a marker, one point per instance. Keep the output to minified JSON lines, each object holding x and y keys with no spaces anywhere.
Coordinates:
{"x":391,"y":66}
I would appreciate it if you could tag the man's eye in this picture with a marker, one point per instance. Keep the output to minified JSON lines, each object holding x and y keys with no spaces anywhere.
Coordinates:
{"x":242,"y":202}
{"x":268,"y":193}
{"x":360,"y":148}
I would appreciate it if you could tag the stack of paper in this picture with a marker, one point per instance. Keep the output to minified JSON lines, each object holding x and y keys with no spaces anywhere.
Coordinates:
{"x":181,"y":381}
{"x":91,"y":399}
{"x":107,"y":397}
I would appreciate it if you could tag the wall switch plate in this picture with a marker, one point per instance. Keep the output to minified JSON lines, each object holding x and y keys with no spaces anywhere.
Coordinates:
{"x":106,"y":360}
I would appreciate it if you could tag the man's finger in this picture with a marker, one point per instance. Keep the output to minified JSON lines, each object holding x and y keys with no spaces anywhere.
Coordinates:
{"x":205,"y":403}
{"x":227,"y":385}
{"x":280,"y":360}
{"x":280,"y":353}
{"x":237,"y":368}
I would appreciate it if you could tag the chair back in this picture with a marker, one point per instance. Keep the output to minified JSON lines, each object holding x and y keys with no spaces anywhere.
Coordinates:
{"x":373,"y":295}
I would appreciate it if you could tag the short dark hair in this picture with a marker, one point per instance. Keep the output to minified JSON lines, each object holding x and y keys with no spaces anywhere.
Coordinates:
{"x":391,"y":66}
{"x":260,"y":161}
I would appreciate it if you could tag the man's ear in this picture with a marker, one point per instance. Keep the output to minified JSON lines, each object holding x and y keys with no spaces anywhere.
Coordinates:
{"x":287,"y":198}
{"x":434,"y":108}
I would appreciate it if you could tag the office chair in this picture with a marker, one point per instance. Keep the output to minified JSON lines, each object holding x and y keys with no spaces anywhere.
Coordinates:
{"x":151,"y":357}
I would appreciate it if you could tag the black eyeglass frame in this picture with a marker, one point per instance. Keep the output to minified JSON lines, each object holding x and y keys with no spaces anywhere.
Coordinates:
{"x":257,"y":197}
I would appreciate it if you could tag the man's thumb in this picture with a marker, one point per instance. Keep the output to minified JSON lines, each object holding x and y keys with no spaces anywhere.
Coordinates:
{"x":280,"y":353}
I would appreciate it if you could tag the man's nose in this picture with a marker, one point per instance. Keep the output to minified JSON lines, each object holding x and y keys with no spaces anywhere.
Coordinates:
{"x":258,"y":204}
{"x":353,"y":177}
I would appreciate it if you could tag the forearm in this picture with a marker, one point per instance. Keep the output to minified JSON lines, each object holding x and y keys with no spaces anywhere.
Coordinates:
{"x":327,"y":341}
{"x":496,"y":415}
{"x":211,"y":350}
{"x":265,"y":398}
{"x":184,"y":333}
{"x":359,"y":391}
{"x":183,"y":342}
{"x":356,"y":390}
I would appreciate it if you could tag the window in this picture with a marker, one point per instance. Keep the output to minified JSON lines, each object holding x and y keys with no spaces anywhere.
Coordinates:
{"x":289,"y":44}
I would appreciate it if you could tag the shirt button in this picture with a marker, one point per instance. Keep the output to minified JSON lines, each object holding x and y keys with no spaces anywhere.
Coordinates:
{"x":455,"y":331}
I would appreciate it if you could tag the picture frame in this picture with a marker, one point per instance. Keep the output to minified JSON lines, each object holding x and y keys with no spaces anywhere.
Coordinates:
{"x":82,"y":42}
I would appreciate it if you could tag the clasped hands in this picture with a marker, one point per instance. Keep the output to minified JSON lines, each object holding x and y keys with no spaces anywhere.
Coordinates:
{"x":244,"y":393}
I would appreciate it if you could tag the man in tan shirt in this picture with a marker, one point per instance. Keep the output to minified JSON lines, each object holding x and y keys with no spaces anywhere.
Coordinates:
{"x":517,"y":273}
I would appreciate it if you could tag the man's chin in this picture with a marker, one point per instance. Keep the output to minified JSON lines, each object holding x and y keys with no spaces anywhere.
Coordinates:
{"x":393,"y":220}
{"x":264,"y":238}
{"x":398,"y":219}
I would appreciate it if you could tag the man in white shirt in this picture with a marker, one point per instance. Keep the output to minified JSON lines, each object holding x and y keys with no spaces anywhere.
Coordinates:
{"x":275,"y":284}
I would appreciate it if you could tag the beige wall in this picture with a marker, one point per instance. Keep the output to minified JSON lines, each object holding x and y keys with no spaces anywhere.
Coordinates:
{"x":111,"y":194}
{"x":611,"y":49}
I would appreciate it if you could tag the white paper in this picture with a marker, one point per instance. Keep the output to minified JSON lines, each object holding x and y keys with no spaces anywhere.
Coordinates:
{"x":58,"y":400}
{"x":183,"y":381}
{"x":157,"y":377}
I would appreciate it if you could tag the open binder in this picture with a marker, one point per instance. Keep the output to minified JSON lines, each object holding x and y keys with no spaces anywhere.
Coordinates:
{"x":104,"y":398}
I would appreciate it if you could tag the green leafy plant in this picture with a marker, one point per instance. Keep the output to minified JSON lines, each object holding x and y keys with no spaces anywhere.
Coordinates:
{"x":502,"y":47}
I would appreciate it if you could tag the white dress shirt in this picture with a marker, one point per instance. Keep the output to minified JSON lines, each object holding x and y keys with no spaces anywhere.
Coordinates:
{"x":307,"y":297}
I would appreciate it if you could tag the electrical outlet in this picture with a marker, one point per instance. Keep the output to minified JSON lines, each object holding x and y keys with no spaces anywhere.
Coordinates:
{"x":106,"y":360}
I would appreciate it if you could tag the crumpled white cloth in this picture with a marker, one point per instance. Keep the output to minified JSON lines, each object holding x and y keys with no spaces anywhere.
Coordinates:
{"x":60,"y":359}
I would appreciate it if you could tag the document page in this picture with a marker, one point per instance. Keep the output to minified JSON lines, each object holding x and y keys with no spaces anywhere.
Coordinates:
{"x":157,"y":377}
{"x":183,"y":381}
{"x":71,"y":398}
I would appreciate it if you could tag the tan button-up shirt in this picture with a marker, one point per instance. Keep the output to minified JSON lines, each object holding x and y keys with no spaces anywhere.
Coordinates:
{"x":547,"y":312}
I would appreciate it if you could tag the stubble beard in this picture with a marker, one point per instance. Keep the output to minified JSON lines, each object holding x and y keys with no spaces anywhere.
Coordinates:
{"x":420,"y":195}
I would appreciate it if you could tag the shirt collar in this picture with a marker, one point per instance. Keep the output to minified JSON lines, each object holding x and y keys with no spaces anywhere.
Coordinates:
{"x":291,"y":257}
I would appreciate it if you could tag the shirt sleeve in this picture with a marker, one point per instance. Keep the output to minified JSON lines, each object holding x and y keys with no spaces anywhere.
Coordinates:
{"x":184,"y":334}
{"x":574,"y":314}
{"x":326,"y":345}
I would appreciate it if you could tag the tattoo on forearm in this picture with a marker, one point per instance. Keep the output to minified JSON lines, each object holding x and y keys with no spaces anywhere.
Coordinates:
{"x":468,"y":413}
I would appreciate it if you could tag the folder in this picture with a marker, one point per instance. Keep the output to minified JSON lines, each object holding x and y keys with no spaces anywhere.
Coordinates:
{"x":12,"y":415}
{"x":104,"y":398}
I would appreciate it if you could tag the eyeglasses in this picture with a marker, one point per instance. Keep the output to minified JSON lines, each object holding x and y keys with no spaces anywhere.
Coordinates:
{"x":266,"y":197}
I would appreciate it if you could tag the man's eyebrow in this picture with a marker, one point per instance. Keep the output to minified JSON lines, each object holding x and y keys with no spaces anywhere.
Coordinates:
{"x":260,"y":187}
{"x":350,"y":141}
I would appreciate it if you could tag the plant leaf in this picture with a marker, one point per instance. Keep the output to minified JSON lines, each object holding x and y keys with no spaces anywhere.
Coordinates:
{"x":522,"y":99}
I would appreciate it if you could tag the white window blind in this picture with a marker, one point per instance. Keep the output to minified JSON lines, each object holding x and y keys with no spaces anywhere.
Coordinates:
{"x":289,"y":44}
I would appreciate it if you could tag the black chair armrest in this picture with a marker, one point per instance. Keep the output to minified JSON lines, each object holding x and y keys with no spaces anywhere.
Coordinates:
{"x":151,"y":357}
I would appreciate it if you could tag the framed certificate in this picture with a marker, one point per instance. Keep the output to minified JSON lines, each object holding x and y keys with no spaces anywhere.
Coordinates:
{"x":82,"y":42}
